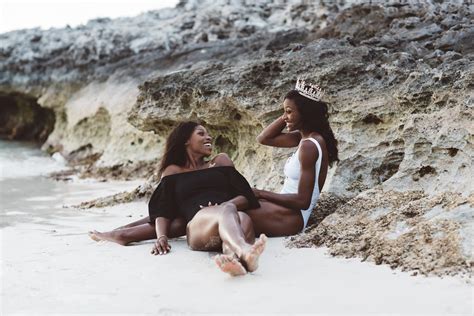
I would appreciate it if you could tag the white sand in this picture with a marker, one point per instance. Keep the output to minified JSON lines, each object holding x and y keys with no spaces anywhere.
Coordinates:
{"x":52,"y":267}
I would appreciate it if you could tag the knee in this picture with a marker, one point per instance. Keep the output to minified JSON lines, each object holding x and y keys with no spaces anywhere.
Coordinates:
{"x":228,"y":209}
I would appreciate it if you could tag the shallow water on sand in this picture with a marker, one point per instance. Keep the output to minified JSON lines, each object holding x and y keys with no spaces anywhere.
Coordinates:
{"x":24,"y":159}
{"x":27,"y":195}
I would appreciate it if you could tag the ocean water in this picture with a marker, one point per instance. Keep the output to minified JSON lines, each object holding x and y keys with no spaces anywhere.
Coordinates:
{"x":27,"y":195}
{"x":23,"y":159}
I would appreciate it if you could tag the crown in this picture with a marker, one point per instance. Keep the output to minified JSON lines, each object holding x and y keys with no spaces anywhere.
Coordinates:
{"x":311,"y":91}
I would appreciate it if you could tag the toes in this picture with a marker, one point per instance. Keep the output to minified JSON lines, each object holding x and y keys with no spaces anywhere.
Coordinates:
{"x":230,"y":265}
{"x":220,"y":260}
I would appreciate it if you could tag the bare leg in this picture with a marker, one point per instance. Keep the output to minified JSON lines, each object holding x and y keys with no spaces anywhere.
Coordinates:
{"x":274,"y":220}
{"x":223,"y":221}
{"x":228,"y":262}
{"x":147,"y":231}
{"x":136,"y":223}
{"x":232,"y":234}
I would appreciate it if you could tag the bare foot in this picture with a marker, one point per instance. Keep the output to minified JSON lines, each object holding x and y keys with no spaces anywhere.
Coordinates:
{"x":94,"y":235}
{"x":109,"y":236}
{"x":230,"y":264}
{"x":250,"y":258}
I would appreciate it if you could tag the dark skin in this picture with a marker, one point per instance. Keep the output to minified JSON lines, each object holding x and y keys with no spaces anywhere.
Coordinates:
{"x":279,"y":214}
{"x":142,"y":229}
{"x":213,"y":228}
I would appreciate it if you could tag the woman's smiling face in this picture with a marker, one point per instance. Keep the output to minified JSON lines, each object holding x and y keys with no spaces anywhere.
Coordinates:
{"x":291,"y":116}
{"x":200,"y":141}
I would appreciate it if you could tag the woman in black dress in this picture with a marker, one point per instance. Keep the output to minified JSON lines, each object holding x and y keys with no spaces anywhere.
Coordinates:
{"x":206,"y":197}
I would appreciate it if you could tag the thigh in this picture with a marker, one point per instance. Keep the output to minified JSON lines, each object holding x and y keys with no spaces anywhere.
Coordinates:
{"x":202,"y":231}
{"x":274,"y":220}
{"x":177,"y":228}
{"x":247,"y":227}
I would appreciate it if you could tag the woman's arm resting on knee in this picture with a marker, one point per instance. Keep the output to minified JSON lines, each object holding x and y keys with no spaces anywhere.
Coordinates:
{"x":161,"y":245}
{"x":272,"y":135}
{"x":240,"y":202}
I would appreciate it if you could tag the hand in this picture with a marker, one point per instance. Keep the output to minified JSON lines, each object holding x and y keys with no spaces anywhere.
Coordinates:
{"x":161,"y":246}
{"x":209,"y":204}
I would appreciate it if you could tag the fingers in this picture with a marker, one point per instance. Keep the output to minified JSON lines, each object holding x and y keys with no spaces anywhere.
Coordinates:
{"x":161,"y":247}
{"x":208,"y":205}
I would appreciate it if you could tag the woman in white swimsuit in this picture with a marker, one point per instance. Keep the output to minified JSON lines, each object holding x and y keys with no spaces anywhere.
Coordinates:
{"x":286,"y":213}
{"x":306,"y":120}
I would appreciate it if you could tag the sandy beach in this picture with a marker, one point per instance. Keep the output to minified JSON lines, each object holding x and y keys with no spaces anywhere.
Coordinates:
{"x":50,"y":266}
{"x":383,"y":89}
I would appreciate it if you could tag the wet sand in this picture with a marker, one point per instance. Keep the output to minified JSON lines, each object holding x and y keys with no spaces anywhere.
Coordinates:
{"x":50,"y":266}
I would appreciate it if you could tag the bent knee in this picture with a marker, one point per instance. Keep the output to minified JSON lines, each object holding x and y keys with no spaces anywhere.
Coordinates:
{"x":228,"y":209}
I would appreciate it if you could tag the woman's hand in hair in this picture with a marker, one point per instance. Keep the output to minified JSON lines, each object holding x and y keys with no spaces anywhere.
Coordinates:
{"x":161,"y":246}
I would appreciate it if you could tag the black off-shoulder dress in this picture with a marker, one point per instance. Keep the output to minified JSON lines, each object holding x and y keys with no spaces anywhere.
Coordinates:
{"x":180,"y":195}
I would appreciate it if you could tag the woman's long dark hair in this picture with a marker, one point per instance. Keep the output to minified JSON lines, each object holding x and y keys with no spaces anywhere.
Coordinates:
{"x":175,"y":149}
{"x":315,"y":118}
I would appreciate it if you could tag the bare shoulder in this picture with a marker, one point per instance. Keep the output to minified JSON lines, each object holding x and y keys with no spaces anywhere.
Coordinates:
{"x":308,"y":152}
{"x":320,"y":140}
{"x":171,"y":169}
{"x":221,"y":160}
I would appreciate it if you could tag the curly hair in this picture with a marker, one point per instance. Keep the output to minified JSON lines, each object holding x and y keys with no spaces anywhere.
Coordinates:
{"x":315,"y":118}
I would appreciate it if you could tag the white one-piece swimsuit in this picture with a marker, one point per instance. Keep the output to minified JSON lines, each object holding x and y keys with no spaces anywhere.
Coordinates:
{"x":292,"y":173}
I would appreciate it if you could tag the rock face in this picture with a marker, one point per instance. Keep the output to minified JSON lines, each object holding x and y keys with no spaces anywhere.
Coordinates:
{"x":399,"y":78}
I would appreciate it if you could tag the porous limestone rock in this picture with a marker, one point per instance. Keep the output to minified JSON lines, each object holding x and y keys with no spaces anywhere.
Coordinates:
{"x":76,"y":71}
{"x":398,"y":77}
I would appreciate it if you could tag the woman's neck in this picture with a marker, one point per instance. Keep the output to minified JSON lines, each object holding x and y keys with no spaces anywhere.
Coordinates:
{"x":195,"y":162}
{"x":305,"y":134}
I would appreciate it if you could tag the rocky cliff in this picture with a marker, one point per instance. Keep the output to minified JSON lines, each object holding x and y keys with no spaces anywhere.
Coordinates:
{"x":398,"y":76}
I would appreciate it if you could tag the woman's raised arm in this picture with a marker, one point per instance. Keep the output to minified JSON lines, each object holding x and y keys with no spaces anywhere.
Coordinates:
{"x":272,"y":135}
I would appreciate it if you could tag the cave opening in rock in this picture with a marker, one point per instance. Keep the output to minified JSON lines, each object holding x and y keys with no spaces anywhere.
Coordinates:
{"x":22,"y":118}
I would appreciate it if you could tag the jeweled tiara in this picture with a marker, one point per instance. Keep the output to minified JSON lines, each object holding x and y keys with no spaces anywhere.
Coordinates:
{"x":311,"y":91}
